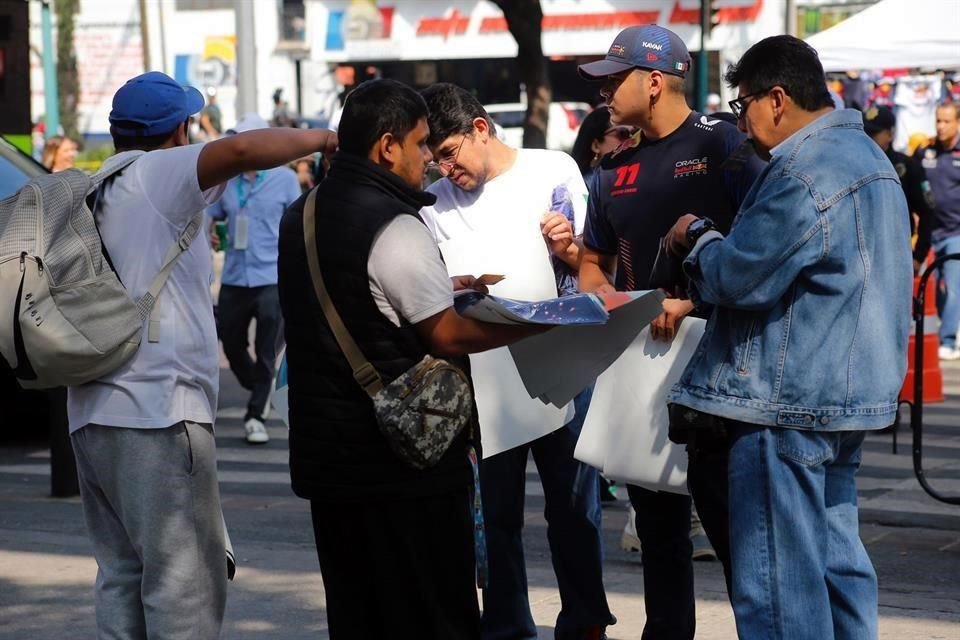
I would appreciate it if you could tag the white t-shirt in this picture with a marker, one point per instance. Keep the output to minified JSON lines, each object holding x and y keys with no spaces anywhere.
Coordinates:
{"x":535,"y":184}
{"x":407,"y":277}
{"x":916,"y":98}
{"x":141,"y":214}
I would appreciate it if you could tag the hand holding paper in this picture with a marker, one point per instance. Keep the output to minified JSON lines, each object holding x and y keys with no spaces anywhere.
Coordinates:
{"x":489,"y":279}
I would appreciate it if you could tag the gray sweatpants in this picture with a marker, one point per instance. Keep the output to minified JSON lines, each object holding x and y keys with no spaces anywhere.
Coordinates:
{"x":152,"y":506}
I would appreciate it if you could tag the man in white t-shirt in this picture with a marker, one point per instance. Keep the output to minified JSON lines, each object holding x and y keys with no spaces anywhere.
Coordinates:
{"x":492,"y":190}
{"x":143,"y":435}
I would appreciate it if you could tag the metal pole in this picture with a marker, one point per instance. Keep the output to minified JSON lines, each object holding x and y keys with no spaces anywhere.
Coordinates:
{"x":51,"y":94}
{"x":702,"y":56}
{"x":145,"y":35}
{"x":246,"y":57}
{"x":790,"y":22}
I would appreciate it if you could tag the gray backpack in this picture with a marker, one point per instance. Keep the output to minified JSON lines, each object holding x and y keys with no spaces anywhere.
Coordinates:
{"x":67,"y":319}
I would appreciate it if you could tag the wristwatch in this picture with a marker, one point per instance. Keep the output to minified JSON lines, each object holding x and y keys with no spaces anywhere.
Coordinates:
{"x":697,"y":228}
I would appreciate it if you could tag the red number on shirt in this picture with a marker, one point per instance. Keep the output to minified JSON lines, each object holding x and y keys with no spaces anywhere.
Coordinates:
{"x":627,"y":174}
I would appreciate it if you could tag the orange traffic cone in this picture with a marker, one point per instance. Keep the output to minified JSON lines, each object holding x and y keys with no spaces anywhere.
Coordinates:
{"x":932,"y":375}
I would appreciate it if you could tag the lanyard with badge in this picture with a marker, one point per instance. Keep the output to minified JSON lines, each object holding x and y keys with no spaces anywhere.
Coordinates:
{"x":242,"y":232}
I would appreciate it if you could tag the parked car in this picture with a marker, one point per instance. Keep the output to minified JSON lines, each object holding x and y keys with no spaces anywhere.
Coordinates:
{"x":562,"y":126}
{"x":16,"y":168}
{"x":22,"y":413}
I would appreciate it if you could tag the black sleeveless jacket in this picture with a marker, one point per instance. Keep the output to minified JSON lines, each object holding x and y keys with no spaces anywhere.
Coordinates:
{"x":336,"y":450}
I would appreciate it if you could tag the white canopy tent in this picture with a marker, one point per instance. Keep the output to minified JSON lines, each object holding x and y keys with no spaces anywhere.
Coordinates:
{"x":894,"y":34}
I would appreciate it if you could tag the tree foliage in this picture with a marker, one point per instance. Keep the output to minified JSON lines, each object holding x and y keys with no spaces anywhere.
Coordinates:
{"x":68,"y":81}
{"x":525,"y":22}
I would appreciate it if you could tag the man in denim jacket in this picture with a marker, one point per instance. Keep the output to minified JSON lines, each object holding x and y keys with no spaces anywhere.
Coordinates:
{"x":805,"y":349}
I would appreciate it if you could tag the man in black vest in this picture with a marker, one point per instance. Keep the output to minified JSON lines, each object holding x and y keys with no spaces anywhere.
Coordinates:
{"x":396,"y":544}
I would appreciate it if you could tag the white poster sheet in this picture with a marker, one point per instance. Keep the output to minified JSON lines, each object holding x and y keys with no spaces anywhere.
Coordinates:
{"x":509,"y":417}
{"x":625,"y":432}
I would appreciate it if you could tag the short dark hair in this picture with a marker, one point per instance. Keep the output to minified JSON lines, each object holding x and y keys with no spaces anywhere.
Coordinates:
{"x":786,"y":62}
{"x":452,"y":111}
{"x":377,"y":107}
{"x":142,"y":143}
{"x":950,"y":104}
{"x":592,"y":128}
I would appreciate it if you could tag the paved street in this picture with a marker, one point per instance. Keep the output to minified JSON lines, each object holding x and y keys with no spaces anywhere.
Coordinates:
{"x":46,"y":570}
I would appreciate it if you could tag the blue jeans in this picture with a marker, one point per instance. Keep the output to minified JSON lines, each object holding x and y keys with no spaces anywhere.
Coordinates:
{"x":948,"y":291}
{"x":800,"y":570}
{"x":573,"y":531}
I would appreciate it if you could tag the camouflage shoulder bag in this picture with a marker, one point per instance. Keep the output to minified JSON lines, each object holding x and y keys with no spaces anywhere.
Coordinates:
{"x":422,"y":411}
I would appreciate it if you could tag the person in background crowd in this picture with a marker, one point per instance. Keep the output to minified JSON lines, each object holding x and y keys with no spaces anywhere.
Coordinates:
{"x":713,"y":103}
{"x":824,"y":233}
{"x":252,"y":204}
{"x":879,"y":123}
{"x":143,"y":434}
{"x":941,"y":161}
{"x":682,"y":162}
{"x":395,"y":543}
{"x":59,"y":153}
{"x":595,"y":139}
{"x":282,"y":115}
{"x":481,"y":186}
{"x":210,"y":117}
{"x":304,"y":168}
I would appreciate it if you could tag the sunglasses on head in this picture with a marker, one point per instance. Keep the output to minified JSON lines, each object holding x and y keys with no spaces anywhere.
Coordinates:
{"x":621,"y":133}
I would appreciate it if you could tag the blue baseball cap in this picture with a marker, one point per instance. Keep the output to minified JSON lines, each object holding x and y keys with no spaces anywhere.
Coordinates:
{"x":152,"y":104}
{"x":648,"y":46}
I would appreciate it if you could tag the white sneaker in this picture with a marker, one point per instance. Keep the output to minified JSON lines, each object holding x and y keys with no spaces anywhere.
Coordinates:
{"x":629,"y":541}
{"x":702,"y":549}
{"x":256,"y":432}
{"x":949,"y":353}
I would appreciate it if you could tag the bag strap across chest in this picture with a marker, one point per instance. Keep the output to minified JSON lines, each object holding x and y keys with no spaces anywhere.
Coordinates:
{"x":363,"y":372}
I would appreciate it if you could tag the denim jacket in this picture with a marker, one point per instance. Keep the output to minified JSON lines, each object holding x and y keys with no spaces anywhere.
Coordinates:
{"x":812,"y":290}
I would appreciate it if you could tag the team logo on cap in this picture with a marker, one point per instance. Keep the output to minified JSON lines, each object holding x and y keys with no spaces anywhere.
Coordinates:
{"x":872,"y":113}
{"x":617,"y":50}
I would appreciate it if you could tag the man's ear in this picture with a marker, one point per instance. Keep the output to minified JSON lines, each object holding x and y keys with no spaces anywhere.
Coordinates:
{"x":656,"y":80}
{"x":388,"y":148}
{"x":482,"y":126}
{"x":778,"y":102}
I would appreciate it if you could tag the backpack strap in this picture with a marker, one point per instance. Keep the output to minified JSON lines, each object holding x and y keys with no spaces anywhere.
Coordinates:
{"x":146,"y":303}
{"x":114,"y":165}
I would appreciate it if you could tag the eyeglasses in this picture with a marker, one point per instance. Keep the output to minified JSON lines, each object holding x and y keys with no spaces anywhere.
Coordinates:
{"x":445,"y":165}
{"x":739,"y":106}
{"x":621,"y":133}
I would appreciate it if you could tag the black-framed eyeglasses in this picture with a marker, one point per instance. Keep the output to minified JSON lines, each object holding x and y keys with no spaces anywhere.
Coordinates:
{"x":739,"y":106}
{"x":446,"y":164}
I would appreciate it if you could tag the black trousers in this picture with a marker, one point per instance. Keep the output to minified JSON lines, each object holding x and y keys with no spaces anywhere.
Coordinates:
{"x":663,"y":526}
{"x":399,"y":569}
{"x":236,"y":308}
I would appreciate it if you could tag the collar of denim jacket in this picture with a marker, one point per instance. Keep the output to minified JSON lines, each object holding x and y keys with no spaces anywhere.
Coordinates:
{"x":836,"y":118}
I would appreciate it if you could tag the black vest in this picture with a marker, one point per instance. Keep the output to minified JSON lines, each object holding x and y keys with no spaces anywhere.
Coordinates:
{"x":336,"y":450}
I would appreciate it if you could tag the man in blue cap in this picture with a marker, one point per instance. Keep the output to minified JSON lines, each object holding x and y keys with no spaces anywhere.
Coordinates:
{"x":143,"y":435}
{"x":680,"y":162}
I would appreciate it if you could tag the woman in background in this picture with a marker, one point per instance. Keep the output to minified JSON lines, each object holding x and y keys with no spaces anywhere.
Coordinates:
{"x":58,"y":153}
{"x":595,"y":139}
